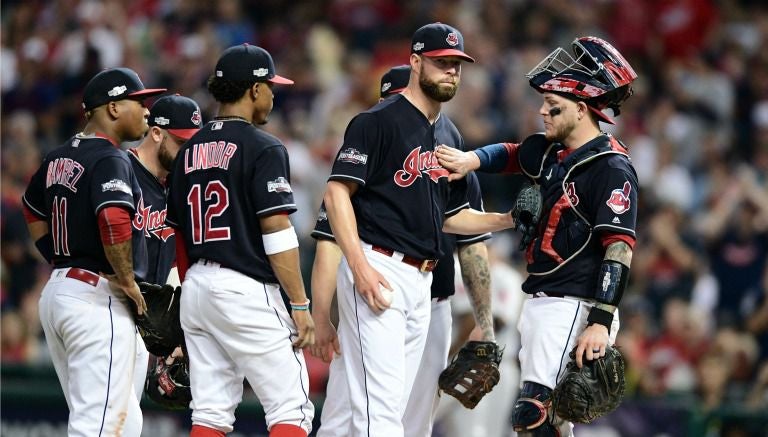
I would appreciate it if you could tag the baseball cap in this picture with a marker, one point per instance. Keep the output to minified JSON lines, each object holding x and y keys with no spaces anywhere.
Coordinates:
{"x":115,"y":84}
{"x":177,"y":114}
{"x":395,"y":80}
{"x":247,"y":62}
{"x":438,"y":39}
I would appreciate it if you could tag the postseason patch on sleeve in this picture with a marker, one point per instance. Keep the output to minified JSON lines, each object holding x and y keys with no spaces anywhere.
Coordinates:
{"x":116,"y":185}
{"x":352,"y":156}
{"x":279,"y":185}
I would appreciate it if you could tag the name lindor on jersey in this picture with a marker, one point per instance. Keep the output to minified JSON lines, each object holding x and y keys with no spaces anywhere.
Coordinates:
{"x":213,"y":154}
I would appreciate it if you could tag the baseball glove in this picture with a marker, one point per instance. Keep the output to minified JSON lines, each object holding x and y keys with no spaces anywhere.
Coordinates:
{"x":168,"y":385}
{"x":526,"y":212}
{"x":595,"y":390}
{"x":473,"y":372}
{"x":159,"y":326}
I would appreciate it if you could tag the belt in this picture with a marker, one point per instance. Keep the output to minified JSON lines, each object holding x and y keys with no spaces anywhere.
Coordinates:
{"x":83,"y":276}
{"x":562,"y":296}
{"x":424,"y":265}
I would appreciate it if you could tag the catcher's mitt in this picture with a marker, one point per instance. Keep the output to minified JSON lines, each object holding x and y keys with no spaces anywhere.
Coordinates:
{"x":159,"y":326}
{"x":473,"y":372}
{"x":526,"y":213}
{"x":595,"y":390}
{"x":168,"y":385}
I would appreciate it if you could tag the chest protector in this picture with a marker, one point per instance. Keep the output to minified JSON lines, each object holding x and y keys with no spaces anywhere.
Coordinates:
{"x":564,"y":238}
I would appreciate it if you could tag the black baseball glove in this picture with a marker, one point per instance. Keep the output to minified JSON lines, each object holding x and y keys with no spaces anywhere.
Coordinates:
{"x":168,"y":385}
{"x":159,"y":326}
{"x":473,"y":372}
{"x":593,"y":391}
{"x":526,"y":212}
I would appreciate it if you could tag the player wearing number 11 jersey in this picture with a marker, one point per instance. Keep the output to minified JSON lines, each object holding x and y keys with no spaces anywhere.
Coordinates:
{"x":230,"y":196}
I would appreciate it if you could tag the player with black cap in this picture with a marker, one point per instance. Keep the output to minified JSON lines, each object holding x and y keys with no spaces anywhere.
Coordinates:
{"x":422,"y":404}
{"x":79,"y":206}
{"x":388,"y":202}
{"x":173,"y":120}
{"x":580,"y":247}
{"x":229,"y":201}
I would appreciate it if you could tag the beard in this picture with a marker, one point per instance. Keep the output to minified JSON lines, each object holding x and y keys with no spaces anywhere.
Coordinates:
{"x":434,"y":91}
{"x":165,"y":157}
{"x":561,"y":133}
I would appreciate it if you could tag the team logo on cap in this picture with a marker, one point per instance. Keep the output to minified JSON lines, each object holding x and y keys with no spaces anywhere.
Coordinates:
{"x":322,"y":215}
{"x":279,"y":185}
{"x":452,"y":39}
{"x":162,"y":121}
{"x":260,"y":72}
{"x":418,"y":46}
{"x":116,"y":91}
{"x":619,"y":201}
{"x":386,"y":87}
{"x":196,"y":118}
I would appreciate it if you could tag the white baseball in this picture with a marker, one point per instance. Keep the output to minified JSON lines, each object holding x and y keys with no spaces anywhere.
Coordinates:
{"x":386,"y":294}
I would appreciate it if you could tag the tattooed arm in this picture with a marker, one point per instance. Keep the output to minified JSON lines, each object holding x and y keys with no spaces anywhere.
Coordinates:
{"x":473,"y":259}
{"x":120,"y":257}
{"x":594,"y":339}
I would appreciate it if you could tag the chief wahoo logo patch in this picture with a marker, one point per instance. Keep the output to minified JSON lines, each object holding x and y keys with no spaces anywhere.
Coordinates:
{"x":619,"y":201}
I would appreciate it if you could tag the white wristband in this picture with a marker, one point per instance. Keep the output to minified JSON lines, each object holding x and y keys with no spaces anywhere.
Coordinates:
{"x":280,"y":241}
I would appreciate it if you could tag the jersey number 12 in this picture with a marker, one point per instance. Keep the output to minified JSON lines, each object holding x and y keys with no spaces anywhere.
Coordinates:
{"x":202,"y":225}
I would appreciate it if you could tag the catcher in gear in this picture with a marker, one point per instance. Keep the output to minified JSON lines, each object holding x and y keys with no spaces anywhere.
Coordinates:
{"x":473,"y":373}
{"x":168,"y":384}
{"x":581,"y":250}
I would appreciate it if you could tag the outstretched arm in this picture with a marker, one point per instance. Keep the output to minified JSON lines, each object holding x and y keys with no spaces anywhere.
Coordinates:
{"x":469,"y":221}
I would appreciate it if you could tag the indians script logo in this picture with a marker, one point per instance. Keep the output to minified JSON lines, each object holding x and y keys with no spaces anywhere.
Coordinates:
{"x":415,"y":164}
{"x":452,"y":39}
{"x":151,"y":222}
{"x":619,"y":200}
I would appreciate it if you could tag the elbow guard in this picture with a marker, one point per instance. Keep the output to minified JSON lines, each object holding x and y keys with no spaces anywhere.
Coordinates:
{"x":611,"y":282}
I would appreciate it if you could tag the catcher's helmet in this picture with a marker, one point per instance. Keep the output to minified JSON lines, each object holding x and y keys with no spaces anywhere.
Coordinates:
{"x":168,"y":385}
{"x":596,"y":73}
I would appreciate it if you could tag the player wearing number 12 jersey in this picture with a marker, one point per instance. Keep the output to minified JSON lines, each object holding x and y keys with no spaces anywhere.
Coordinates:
{"x":230,"y":196}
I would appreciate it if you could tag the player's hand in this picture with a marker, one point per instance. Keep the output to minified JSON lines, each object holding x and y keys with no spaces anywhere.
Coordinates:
{"x":131,"y":289}
{"x":326,"y":339}
{"x":368,"y":283}
{"x":305,"y":327}
{"x":457,"y":162}
{"x":177,"y":353}
{"x":592,"y":343}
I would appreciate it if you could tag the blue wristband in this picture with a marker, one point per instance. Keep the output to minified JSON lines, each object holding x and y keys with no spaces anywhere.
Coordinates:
{"x":493,"y":158}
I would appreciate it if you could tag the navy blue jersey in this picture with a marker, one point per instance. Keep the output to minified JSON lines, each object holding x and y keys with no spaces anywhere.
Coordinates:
{"x":74,"y":183}
{"x":591,"y":191}
{"x":404,"y":193}
{"x":443,"y":275}
{"x":224,"y":179}
{"x":150,"y":220}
